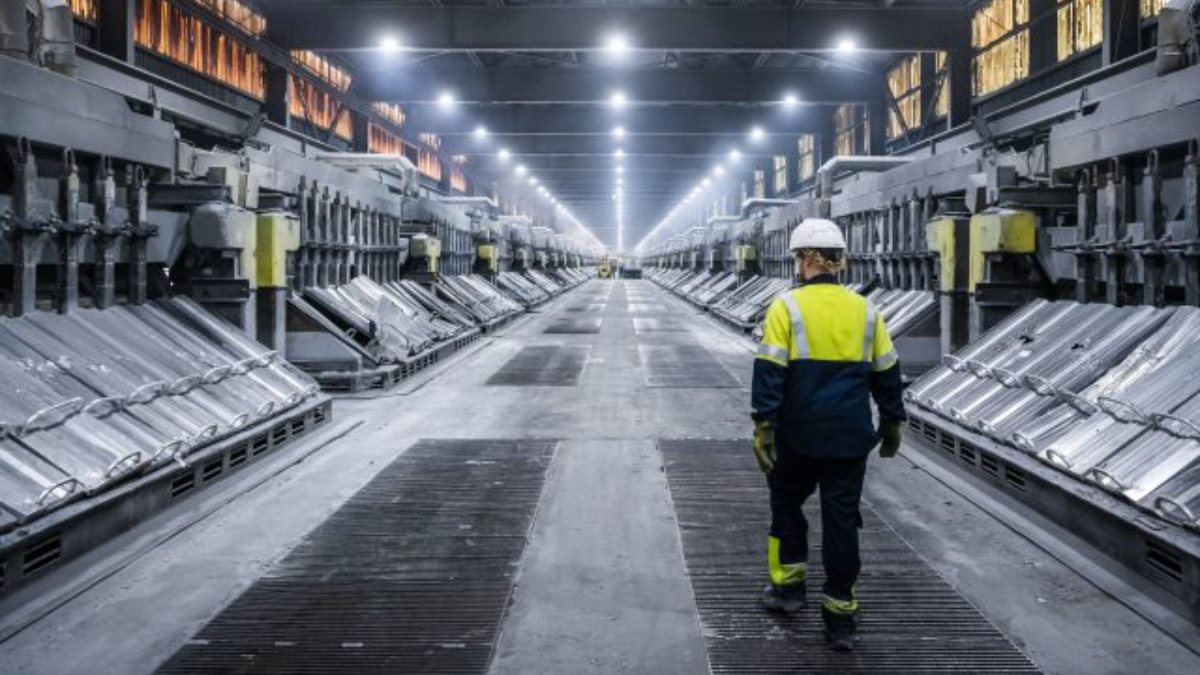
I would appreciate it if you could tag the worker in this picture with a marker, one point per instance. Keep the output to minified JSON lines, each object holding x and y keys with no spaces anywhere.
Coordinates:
{"x":825,"y":353}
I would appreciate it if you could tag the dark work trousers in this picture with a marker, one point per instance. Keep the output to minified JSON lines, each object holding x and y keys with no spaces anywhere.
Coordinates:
{"x":840,"y":482}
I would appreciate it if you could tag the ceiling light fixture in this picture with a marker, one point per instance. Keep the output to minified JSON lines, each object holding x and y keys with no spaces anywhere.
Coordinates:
{"x":481,"y":132}
{"x":446,"y":99}
{"x":504,"y":154}
{"x":735,"y":155}
{"x":790,"y":100}
{"x":521,"y":169}
{"x":389,"y":45}
{"x":618,"y":100}
{"x":619,"y":132}
{"x":847,"y":45}
{"x":757,"y":134}
{"x":617,"y":45}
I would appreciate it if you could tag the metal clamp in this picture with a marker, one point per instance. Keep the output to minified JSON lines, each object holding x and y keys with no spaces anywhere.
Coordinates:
{"x":1122,"y":411}
{"x":184,"y":384}
{"x":1175,"y":426}
{"x":238,"y":421}
{"x":217,"y":374}
{"x":265,"y":409}
{"x":147,"y":392}
{"x":1007,"y":378}
{"x":124,"y":465}
{"x":103,"y":407}
{"x":52,"y":416}
{"x":292,"y":400}
{"x":980,"y":370}
{"x":1057,"y":459}
{"x":1173,"y":510}
{"x":244,"y":366}
{"x":1078,"y":402}
{"x":1041,"y":386}
{"x":70,"y":485}
{"x":1106,"y":480}
{"x":173,"y":448}
{"x":266,"y":358}
{"x":1022,"y":442}
{"x":206,"y":434}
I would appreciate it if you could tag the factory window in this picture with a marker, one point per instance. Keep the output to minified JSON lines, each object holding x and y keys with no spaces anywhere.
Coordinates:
{"x":429,"y":164}
{"x":87,"y":10}
{"x":1000,"y":36}
{"x":308,"y":102}
{"x":169,"y":31}
{"x":942,"y":106}
{"x":458,"y":177}
{"x":848,"y":119}
{"x":433,"y":141}
{"x":760,"y":184}
{"x":1151,"y":8}
{"x":1080,"y":26}
{"x":807,"y":156}
{"x":904,"y":86}
{"x":237,"y":13}
{"x":781,"y":174}
{"x":390,"y":112}
{"x":383,"y":142}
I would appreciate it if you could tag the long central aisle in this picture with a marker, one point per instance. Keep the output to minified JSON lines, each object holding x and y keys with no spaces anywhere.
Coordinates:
{"x":576,"y":495}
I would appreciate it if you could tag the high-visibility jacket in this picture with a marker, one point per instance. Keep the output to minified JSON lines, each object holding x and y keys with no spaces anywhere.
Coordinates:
{"x":824,"y":354}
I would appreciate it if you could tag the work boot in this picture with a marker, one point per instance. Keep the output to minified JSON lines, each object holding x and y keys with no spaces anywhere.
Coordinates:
{"x":839,"y":630}
{"x":785,"y":599}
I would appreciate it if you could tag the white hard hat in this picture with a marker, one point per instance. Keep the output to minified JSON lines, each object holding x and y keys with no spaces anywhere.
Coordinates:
{"x":817,"y":233}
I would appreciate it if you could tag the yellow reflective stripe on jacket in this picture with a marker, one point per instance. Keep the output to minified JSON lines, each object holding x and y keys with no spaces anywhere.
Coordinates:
{"x":783,"y":574}
{"x":776,"y":341}
{"x":773,"y":354}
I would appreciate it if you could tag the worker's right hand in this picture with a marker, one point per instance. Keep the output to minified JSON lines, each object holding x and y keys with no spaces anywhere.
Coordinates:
{"x":889,"y":438}
{"x":764,"y":445}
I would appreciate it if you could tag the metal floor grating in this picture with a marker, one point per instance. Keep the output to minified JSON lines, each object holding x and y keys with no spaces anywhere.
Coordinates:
{"x":683,"y":366}
{"x":573,"y":325}
{"x":642,"y":325}
{"x":912,"y":621}
{"x":544,"y":366}
{"x":413,"y":574}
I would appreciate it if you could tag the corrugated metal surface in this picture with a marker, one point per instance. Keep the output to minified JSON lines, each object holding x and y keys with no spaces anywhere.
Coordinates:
{"x":912,"y":621}
{"x":684,"y":366}
{"x":412,"y":575}
{"x":543,"y":365}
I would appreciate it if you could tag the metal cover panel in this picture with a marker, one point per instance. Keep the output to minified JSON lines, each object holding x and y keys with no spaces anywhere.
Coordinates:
{"x":686,"y":365}
{"x":912,"y":621}
{"x":575,"y":325}
{"x":543,"y":365}
{"x":651,"y":325}
{"x":646,"y":308}
{"x":594,"y":307}
{"x":411,"y":575}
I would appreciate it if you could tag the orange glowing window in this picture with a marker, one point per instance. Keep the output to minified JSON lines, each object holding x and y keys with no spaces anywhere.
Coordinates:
{"x":87,"y":10}
{"x":165,"y":29}
{"x":1000,"y":36}
{"x":308,"y":102}
{"x":383,"y":142}
{"x":429,"y":164}
{"x":390,"y":112}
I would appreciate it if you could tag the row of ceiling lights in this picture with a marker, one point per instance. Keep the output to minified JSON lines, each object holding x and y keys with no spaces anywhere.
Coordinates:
{"x":618,"y":46}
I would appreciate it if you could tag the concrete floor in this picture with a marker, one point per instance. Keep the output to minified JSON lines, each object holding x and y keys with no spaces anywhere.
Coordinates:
{"x":602,"y":586}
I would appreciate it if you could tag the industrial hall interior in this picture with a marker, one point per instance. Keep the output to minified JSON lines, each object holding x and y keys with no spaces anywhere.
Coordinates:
{"x":590,"y":337}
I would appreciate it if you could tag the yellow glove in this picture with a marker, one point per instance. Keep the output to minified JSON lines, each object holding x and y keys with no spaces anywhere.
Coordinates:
{"x":764,"y":445}
{"x":889,"y":438}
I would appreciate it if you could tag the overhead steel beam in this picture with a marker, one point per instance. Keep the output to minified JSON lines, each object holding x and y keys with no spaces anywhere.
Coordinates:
{"x":362,"y":25}
{"x":521,"y":120}
{"x":575,"y":85}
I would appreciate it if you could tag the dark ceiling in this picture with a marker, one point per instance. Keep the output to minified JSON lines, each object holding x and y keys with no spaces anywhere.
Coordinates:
{"x":538,"y":76}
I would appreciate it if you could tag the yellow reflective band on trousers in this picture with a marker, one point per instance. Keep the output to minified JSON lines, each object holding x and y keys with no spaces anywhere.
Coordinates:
{"x":783,"y":574}
{"x":842,"y":607}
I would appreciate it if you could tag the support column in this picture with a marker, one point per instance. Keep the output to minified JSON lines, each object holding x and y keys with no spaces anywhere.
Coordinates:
{"x":1043,"y":35}
{"x":877,"y":119}
{"x":1122,"y":25}
{"x":276,"y":103}
{"x":114,"y":36}
{"x":959,"y":63}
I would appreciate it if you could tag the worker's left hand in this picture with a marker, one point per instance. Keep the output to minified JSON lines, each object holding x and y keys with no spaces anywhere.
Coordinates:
{"x":889,"y":437}
{"x":764,"y":445}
